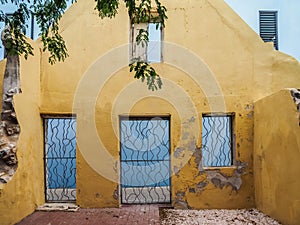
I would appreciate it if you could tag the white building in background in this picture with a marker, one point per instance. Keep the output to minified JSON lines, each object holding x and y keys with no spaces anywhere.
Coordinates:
{"x":286,"y":14}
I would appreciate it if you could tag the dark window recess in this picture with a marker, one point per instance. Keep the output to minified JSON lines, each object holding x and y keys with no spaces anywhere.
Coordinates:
{"x":268,"y":27}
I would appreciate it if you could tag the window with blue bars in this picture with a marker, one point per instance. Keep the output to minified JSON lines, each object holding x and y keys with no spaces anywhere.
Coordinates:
{"x":60,"y":158}
{"x":217,"y":140}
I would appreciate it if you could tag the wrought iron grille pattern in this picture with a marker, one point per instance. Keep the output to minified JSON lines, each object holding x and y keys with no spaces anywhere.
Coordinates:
{"x":216,"y":141}
{"x":60,"y":159}
{"x":145,"y":160}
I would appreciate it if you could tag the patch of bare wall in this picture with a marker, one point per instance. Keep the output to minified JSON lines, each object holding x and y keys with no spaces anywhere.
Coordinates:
{"x":216,"y":177}
{"x":204,"y":177}
{"x":296,"y":96}
{"x":9,"y":126}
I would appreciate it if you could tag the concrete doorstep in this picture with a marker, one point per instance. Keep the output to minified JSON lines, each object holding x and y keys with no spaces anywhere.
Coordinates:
{"x":68,"y":207}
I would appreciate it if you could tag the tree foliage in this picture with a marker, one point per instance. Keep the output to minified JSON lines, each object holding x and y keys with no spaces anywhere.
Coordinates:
{"x":48,"y":13}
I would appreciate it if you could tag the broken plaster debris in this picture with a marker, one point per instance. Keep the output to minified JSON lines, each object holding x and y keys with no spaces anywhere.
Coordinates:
{"x":222,"y":216}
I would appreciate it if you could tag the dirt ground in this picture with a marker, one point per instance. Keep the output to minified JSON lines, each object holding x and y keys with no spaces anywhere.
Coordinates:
{"x":62,"y":214}
{"x":215,"y":217}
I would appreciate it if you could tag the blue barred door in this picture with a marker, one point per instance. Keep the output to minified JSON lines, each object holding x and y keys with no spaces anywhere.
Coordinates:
{"x":60,"y":159}
{"x":145,"y":160}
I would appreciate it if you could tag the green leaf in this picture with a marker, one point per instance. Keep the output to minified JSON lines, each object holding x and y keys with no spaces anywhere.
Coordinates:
{"x":48,"y":14}
{"x":107,"y":8}
{"x":144,"y":71}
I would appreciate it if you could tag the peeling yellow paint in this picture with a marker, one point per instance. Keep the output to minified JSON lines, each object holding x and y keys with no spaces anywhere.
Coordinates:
{"x":213,"y":62}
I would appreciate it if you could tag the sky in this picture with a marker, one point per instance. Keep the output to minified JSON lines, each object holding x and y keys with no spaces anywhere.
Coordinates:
{"x":10,"y":8}
{"x":288,"y":17}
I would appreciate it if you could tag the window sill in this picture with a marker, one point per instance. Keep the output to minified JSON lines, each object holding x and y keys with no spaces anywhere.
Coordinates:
{"x":219,"y":167}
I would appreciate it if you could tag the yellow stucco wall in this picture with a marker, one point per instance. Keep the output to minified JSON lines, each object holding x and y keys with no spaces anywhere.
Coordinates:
{"x":276,"y":157}
{"x":201,"y":73}
{"x":25,"y":191}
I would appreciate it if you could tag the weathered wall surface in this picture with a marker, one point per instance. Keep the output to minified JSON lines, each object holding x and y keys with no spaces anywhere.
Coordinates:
{"x":202,"y":73}
{"x":25,"y":191}
{"x":213,"y":62}
{"x":276,"y":157}
{"x":94,"y":37}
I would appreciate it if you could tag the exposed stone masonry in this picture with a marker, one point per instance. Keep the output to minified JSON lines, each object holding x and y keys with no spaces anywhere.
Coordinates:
{"x":296,"y":96}
{"x":9,"y":134}
{"x":9,"y":126}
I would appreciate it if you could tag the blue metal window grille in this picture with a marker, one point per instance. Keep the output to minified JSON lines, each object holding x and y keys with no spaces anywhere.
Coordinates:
{"x":60,"y":159}
{"x":217,"y":141}
{"x":145,"y":160}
